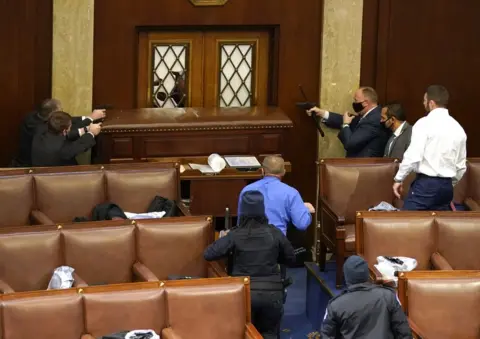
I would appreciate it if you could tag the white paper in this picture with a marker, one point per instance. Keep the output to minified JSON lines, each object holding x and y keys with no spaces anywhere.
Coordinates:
{"x":62,"y":278}
{"x":149,"y":215}
{"x":242,"y":162}
{"x":202,"y":168}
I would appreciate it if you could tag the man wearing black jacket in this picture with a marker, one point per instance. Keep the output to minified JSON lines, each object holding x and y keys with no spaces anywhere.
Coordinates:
{"x":364,"y":310}
{"x":36,"y":122}
{"x":256,"y":249}
{"x":52,"y":147}
{"x":361,"y":133}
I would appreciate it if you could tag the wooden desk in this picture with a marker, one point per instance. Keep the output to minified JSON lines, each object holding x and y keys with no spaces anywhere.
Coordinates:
{"x":155,"y":132}
{"x":210,"y":194}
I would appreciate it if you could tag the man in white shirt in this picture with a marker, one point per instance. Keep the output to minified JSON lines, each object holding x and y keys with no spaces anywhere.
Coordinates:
{"x":437,"y":153}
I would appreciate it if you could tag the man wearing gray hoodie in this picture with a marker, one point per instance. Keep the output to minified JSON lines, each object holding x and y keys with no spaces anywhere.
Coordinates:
{"x":364,"y":310}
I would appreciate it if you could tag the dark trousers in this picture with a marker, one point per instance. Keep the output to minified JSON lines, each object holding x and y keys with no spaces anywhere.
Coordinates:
{"x":429,"y":194}
{"x":267,"y":312}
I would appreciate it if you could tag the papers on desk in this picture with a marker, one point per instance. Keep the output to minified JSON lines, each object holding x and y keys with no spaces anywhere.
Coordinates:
{"x":242,"y":162}
{"x":205,"y":169}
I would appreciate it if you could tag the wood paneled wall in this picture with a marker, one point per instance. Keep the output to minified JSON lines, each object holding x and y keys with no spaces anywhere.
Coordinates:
{"x":299,"y":28}
{"x":25,"y":65}
{"x":408,"y":45}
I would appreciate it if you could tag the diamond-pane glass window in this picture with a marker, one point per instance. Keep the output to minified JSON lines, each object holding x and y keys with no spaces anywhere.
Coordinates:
{"x":169,"y":75}
{"x":236,"y":74}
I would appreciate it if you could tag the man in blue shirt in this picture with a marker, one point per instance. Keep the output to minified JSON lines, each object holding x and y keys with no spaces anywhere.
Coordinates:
{"x":283,"y":203}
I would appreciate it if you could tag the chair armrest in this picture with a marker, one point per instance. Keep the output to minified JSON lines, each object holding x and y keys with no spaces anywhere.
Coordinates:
{"x":377,"y":277}
{"x":168,"y":333}
{"x":184,"y":210}
{"x":40,"y":218}
{"x":5,"y":288}
{"x":417,"y":333}
{"x":77,"y":281}
{"x":440,"y":263}
{"x":87,"y":336}
{"x":143,"y":272}
{"x":251,"y":332}
{"x":472,"y":204}
{"x":215,"y":269}
{"x":325,"y":206}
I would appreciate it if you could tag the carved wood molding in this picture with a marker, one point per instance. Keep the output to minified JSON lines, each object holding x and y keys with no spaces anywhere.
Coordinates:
{"x":208,"y":2}
{"x":184,"y":129}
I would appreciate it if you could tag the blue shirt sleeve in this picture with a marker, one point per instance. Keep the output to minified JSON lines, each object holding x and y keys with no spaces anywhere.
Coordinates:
{"x":299,"y":214}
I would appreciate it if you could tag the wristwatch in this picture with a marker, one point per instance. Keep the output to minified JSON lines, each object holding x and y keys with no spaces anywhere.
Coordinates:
{"x":345,"y":125}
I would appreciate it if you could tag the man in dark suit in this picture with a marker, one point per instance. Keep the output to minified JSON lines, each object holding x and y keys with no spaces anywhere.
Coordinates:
{"x":361,"y":133}
{"x":35,"y":122}
{"x":393,"y":118}
{"x":53,"y":148}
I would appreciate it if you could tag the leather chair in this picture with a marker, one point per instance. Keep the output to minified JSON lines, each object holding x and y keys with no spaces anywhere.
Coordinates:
{"x":437,"y":240}
{"x":202,"y":309}
{"x":59,"y":194}
{"x":441,"y":305}
{"x":104,"y":253}
{"x":347,"y":186}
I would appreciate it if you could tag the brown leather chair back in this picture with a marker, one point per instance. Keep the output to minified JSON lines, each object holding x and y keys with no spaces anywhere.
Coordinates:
{"x":134,"y":190}
{"x":444,"y":308}
{"x":27,"y":260}
{"x":52,"y":317}
{"x":63,"y":196}
{"x":107,"y":312}
{"x":175,"y":249}
{"x":401,"y":236}
{"x":351,"y":185}
{"x":458,"y":241}
{"x":16,"y":199}
{"x":207,"y":312}
{"x":473,"y":179}
{"x":101,"y":255}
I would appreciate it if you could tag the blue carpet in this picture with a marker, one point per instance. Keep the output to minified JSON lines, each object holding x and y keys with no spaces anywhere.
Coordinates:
{"x":295,"y":324}
{"x":307,"y":300}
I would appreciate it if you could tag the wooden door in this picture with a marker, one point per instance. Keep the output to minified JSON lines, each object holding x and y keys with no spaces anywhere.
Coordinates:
{"x":203,"y":69}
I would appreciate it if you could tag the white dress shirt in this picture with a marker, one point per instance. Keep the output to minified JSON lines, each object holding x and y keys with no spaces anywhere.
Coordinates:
{"x":438,"y":148}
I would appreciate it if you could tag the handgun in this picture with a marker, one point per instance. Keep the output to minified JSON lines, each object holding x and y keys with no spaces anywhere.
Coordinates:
{"x":102,"y":107}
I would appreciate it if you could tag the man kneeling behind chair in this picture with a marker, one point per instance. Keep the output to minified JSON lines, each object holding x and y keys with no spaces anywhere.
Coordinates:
{"x":256,"y":249}
{"x":53,"y":148}
{"x":364,"y":310}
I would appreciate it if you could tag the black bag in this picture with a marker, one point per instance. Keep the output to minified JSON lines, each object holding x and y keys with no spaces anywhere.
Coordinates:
{"x":107,"y":211}
{"x":161,"y":204}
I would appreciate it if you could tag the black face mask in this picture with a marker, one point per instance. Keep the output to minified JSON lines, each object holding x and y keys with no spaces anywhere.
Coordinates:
{"x":357,"y":107}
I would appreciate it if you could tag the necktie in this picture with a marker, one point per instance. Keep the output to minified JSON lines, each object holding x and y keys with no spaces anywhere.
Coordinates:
{"x":389,"y":145}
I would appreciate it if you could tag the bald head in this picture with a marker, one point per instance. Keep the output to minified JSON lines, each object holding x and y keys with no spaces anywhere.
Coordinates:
{"x":273,"y":165}
{"x":365,"y":99}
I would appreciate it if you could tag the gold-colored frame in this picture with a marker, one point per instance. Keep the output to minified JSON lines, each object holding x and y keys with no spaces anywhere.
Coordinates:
{"x":208,"y":2}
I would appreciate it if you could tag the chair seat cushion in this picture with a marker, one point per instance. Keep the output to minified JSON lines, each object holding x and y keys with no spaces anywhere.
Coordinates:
{"x":350,"y":238}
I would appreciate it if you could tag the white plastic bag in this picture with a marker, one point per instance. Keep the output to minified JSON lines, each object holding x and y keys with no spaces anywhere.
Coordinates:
{"x":138,"y":334}
{"x":388,"y":268}
{"x":62,"y":278}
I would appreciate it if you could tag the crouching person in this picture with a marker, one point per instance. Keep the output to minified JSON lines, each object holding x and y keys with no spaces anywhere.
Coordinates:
{"x":364,"y":310}
{"x":256,"y":249}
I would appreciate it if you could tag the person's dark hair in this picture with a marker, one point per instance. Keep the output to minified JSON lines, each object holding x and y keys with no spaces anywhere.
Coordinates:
{"x":59,"y":121}
{"x":48,"y":106}
{"x":394,"y":109}
{"x":438,"y":94}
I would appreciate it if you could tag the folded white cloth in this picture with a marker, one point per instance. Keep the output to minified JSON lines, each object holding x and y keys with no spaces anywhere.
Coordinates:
{"x":137,"y":333}
{"x":216,"y":162}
